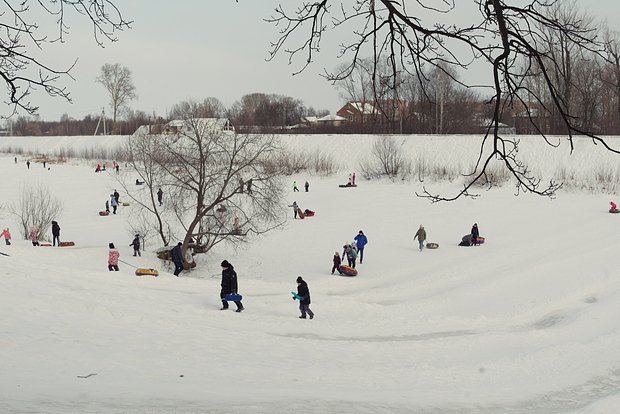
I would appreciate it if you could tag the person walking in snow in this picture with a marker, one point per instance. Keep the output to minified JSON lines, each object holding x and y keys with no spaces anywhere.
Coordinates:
{"x":360,"y":241}
{"x":107,"y":206}
{"x":136,"y":245}
{"x":114,"y":203}
{"x":295,"y":189}
{"x":337,"y":262}
{"x":421,"y":236}
{"x":116,"y":196}
{"x":229,"y":285}
{"x":55,"y":233}
{"x":249,"y":186}
{"x":160,"y":197}
{"x":475,"y":233}
{"x":351,"y":254}
{"x":295,"y":208}
{"x":177,"y":258}
{"x":117,"y":168}
{"x":304,"y":303}
{"x":353,"y":183}
{"x":34,"y":236}
{"x":7,"y":236}
{"x":28,"y":164}
{"x":113,"y":256}
{"x":306,"y":186}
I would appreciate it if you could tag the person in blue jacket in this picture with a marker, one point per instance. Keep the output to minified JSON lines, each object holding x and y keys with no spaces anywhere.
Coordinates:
{"x":360,"y":242}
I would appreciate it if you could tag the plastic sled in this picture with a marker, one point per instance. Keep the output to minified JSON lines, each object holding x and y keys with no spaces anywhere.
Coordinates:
{"x":233,"y":297}
{"x":45,"y":244}
{"x":66,"y":244}
{"x":614,"y":210}
{"x":432,"y":245}
{"x":125,"y":204}
{"x":480,"y":240}
{"x":104,"y":213}
{"x":347,"y":185}
{"x":300,"y":214}
{"x":347,"y":270}
{"x":146,"y":272}
{"x":296,"y":296}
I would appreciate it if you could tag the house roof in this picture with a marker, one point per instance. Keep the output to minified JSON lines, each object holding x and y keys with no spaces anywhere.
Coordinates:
{"x":331,"y":118}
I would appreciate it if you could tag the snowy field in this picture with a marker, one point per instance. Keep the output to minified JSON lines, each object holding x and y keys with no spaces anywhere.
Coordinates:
{"x":526,"y":323}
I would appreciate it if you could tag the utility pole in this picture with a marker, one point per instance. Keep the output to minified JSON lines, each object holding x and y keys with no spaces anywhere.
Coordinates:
{"x":102,"y":117}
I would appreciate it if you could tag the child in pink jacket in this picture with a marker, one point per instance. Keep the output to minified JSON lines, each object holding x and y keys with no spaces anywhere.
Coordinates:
{"x":113,"y":256}
{"x":34,"y":236}
{"x":7,"y":236}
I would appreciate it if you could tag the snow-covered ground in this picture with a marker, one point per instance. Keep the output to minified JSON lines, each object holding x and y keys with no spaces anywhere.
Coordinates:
{"x":526,"y":323}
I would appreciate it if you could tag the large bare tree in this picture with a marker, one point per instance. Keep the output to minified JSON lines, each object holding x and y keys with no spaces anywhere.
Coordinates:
{"x":218,"y":185}
{"x":25,"y":29}
{"x":506,"y":39}
{"x":116,"y":79}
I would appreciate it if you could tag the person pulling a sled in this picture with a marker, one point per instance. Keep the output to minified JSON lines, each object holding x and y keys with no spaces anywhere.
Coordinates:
{"x":304,"y":303}
{"x":421,"y":236}
{"x":113,"y":256}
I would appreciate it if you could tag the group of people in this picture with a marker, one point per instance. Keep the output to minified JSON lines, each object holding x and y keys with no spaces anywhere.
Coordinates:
{"x":113,"y":201}
{"x":471,"y":239}
{"x":115,"y":166}
{"x":351,"y":251}
{"x":114,"y":254}
{"x":296,"y":189}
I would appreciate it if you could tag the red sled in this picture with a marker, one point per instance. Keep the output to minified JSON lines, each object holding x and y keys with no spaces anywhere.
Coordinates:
{"x":66,"y":244}
{"x":347,"y":270}
{"x":300,"y":214}
{"x":104,"y":213}
{"x":46,"y":244}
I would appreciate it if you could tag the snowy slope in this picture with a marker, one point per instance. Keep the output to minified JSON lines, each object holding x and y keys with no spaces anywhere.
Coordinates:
{"x":524,"y":324}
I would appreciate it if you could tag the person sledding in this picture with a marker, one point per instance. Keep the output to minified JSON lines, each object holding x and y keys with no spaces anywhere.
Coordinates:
{"x":613,"y":208}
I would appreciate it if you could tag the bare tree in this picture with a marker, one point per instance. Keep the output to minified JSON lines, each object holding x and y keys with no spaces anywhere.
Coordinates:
{"x":20,"y":70}
{"x":219,"y":187}
{"x":506,"y":40}
{"x":116,"y":79}
{"x":388,"y":159}
{"x":35,"y":209}
{"x":208,"y":108}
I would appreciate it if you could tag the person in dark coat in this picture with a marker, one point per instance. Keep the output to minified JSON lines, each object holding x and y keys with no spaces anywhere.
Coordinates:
{"x":107,"y":206}
{"x":116,"y":196}
{"x":475,"y":233}
{"x":177,"y":258}
{"x":249,"y":186}
{"x":307,"y":186}
{"x":229,"y":285}
{"x":304,"y":303}
{"x":136,"y":245}
{"x":160,"y":197}
{"x":337,"y":263}
{"x":55,"y":233}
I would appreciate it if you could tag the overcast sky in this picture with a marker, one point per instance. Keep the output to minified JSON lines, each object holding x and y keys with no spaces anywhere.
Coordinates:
{"x":193,"y":49}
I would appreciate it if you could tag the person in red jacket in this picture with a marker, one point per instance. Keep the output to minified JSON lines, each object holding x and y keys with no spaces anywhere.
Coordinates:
{"x":614,"y":207}
{"x":113,"y":256}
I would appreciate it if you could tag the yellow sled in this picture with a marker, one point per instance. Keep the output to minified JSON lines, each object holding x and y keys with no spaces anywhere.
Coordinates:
{"x":146,"y":272}
{"x":125,"y":203}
